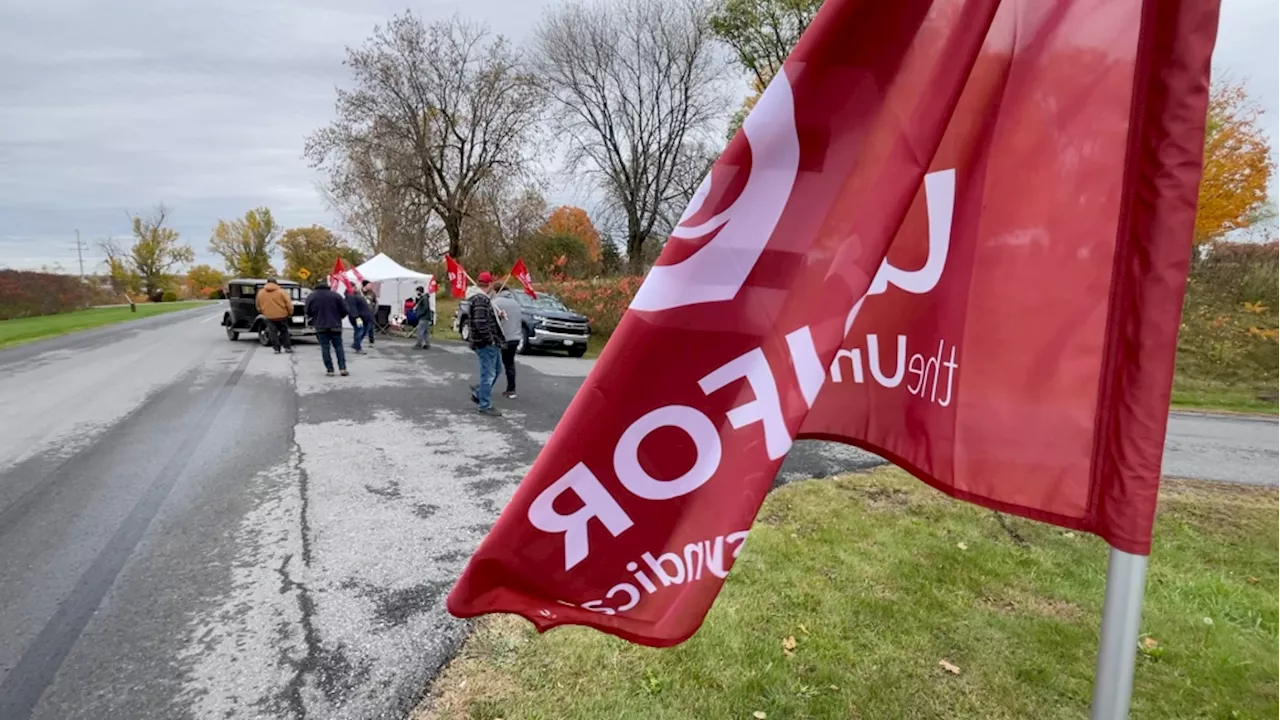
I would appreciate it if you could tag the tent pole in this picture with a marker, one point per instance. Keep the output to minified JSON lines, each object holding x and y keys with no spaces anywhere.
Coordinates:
{"x":1118,"y":646}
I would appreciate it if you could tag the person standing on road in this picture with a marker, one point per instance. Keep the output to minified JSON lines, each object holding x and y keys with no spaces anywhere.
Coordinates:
{"x":361,"y":318}
{"x":508,"y":311}
{"x":276,"y":307}
{"x":326,"y":309}
{"x":422,"y":308}
{"x":485,"y":337}
{"x":372,"y":296}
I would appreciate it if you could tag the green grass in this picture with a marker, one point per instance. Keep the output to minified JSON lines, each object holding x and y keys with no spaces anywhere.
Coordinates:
{"x":868,"y":575}
{"x":1204,"y":394}
{"x":24,"y":330}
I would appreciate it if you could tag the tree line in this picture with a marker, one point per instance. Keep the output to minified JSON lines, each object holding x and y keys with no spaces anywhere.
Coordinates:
{"x":440,"y":140}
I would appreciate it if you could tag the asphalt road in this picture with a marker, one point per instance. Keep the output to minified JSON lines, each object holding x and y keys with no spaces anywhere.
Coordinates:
{"x":195,"y":528}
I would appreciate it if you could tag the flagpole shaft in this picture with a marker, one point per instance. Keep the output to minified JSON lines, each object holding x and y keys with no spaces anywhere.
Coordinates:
{"x":1118,"y":647}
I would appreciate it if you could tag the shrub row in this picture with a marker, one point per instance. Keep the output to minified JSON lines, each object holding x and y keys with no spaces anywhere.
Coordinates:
{"x":602,"y":300}
{"x":28,"y":294}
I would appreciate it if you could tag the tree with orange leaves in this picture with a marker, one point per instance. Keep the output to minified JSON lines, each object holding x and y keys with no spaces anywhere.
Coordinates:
{"x":569,"y":220}
{"x":1237,"y":164}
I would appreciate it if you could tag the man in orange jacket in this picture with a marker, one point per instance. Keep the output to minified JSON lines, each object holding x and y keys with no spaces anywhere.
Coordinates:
{"x":277,"y":307}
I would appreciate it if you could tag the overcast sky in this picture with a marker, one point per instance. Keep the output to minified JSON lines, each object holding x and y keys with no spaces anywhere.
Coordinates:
{"x":109,"y":108}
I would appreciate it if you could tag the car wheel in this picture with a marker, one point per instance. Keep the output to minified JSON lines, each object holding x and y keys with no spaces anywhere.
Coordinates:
{"x":465,"y":332}
{"x":232,"y":335}
{"x":264,"y":338}
{"x":577,"y":351}
{"x":525,"y":347}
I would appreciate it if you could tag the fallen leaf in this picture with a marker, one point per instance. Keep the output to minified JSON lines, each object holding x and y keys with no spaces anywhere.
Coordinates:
{"x":962,"y":546}
{"x":759,"y":715}
{"x":1149,"y":642}
{"x":804,"y":629}
{"x":1068,"y":534}
{"x":1251,"y":580}
{"x":835,"y":687}
{"x":788,"y":645}
{"x":954,"y":670}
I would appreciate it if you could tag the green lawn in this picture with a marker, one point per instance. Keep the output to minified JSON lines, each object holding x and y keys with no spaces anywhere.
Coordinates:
{"x":25,"y":330}
{"x":850,"y":593}
{"x":1191,"y":393}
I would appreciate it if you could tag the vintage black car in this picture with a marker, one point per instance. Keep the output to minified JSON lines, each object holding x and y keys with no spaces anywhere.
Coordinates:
{"x":242,"y":310}
{"x":545,"y":323}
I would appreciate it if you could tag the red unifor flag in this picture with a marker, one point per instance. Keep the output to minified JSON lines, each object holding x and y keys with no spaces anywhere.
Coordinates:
{"x":954,"y":233}
{"x":457,"y":277}
{"x":521,"y":273}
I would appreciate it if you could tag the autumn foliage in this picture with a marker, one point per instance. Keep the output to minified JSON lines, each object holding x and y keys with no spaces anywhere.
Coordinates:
{"x":602,"y":300}
{"x":1237,"y":164}
{"x":569,"y":220}
{"x":28,"y":294}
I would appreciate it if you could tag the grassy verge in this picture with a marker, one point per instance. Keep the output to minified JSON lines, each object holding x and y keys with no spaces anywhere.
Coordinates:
{"x":851,"y":592}
{"x":1203,"y":394}
{"x":25,"y":330}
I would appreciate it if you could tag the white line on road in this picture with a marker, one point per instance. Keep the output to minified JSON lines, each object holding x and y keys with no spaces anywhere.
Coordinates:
{"x":211,"y":317}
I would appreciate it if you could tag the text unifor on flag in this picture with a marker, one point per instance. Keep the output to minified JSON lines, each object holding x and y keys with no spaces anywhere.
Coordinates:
{"x":521,"y":272}
{"x":457,"y":277}
{"x":954,"y":233}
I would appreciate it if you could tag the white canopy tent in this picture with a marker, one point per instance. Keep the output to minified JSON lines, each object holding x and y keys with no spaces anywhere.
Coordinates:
{"x":394,"y":282}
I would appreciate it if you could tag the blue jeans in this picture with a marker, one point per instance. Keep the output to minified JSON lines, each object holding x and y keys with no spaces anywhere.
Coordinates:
{"x":490,"y":359}
{"x":332,"y":339}
{"x":363,"y":332}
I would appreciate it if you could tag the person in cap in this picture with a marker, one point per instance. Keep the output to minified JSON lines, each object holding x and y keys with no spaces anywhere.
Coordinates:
{"x":485,"y":338}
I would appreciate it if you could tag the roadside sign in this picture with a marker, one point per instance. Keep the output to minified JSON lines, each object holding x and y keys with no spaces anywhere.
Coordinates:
{"x":304,"y":273}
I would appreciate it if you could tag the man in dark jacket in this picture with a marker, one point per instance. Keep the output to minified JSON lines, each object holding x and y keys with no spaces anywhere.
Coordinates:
{"x":422,"y":310}
{"x":326,"y":309}
{"x":361,"y":317}
{"x":485,"y":338}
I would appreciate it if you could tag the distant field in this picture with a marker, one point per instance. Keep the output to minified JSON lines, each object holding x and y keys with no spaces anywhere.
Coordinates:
{"x":25,"y":330}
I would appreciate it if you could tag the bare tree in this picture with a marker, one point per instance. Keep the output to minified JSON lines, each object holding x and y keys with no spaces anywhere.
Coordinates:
{"x":441,"y":107}
{"x":637,"y":90}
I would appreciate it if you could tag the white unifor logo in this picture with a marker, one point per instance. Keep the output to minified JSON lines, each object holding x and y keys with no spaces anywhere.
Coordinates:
{"x":718,"y":269}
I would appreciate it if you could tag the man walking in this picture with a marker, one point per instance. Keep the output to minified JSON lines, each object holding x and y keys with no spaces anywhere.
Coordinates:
{"x":326,"y":309}
{"x":276,"y":307}
{"x":422,"y":308}
{"x":361,"y":318}
{"x":508,"y":311}
{"x":485,"y":337}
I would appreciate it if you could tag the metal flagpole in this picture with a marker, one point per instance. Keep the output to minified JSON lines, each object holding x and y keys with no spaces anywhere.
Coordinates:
{"x":1118,"y":647}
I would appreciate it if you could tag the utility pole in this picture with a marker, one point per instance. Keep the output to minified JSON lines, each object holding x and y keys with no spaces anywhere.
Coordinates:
{"x":80,"y":254}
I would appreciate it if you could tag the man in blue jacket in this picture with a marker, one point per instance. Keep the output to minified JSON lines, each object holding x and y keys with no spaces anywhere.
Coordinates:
{"x":361,"y":317}
{"x":326,"y":309}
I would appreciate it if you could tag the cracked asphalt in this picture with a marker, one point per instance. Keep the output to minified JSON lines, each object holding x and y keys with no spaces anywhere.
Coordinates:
{"x":196,"y":528}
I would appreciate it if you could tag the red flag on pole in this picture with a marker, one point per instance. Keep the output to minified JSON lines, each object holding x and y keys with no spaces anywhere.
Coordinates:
{"x":457,"y":277}
{"x":338,"y":280}
{"x":433,"y":287}
{"x":521,"y":273}
{"x":956,"y":234}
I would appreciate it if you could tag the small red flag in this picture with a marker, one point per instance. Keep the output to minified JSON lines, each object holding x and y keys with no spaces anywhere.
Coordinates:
{"x":338,"y":278}
{"x":521,"y":273}
{"x":457,"y":277}
{"x":433,"y":287}
{"x":956,"y":234}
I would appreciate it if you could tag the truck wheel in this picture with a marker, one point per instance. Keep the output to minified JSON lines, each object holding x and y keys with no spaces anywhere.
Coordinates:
{"x":232,"y":335}
{"x":577,"y":351}
{"x":465,"y":332}
{"x":525,"y":347}
{"x":264,"y":337}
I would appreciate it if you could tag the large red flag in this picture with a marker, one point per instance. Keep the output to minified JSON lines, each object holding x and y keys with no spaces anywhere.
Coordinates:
{"x":457,"y":277}
{"x":521,"y":273}
{"x":955,"y":233}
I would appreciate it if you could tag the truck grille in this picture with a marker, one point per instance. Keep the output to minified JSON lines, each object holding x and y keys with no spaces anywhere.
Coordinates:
{"x":565,"y":326}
